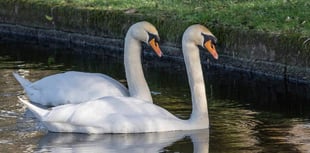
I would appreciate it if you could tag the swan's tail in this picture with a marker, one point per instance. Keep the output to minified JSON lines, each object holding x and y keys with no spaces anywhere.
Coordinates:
{"x":37,"y":111}
{"x":22,"y":81}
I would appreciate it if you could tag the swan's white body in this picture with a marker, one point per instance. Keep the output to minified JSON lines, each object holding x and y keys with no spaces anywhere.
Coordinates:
{"x":71,"y":87}
{"x":110,"y":115}
{"x":77,"y":87}
{"x":132,"y":115}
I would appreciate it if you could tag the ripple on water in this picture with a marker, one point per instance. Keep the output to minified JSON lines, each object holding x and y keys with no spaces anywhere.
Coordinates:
{"x":5,"y":142}
{"x":300,"y":136}
{"x":234,"y":126}
{"x":8,"y":114}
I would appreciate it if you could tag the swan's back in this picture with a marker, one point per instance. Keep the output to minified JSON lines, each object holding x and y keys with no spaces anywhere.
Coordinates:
{"x":73,"y":87}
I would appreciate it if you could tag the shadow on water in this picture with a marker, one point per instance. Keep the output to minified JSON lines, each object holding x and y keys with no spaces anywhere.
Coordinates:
{"x":262,"y":93}
{"x":248,"y":112}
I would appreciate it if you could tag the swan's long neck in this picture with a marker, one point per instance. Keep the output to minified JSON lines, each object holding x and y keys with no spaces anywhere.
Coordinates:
{"x":196,"y":83}
{"x":137,"y":85}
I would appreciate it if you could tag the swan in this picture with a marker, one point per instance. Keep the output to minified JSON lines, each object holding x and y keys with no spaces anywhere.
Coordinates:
{"x":116,"y":114}
{"x":77,"y":87}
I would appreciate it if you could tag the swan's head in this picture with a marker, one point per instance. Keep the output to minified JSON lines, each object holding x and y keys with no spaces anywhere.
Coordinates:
{"x":201,"y":36}
{"x":147,"y":33}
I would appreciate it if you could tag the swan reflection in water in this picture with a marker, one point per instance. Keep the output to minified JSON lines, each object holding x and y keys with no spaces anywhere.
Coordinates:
{"x":147,"y":142}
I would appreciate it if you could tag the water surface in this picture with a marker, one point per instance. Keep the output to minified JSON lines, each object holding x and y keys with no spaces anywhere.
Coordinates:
{"x":248,"y":113}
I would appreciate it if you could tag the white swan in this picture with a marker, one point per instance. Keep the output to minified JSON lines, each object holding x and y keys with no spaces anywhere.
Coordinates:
{"x":77,"y":87}
{"x":132,"y":115}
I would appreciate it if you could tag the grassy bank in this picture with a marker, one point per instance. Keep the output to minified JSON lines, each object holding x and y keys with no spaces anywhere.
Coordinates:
{"x":276,"y":16}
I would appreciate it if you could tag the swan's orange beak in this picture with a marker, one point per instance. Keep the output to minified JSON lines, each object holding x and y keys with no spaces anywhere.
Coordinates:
{"x":155,"y":47}
{"x":211,"y":48}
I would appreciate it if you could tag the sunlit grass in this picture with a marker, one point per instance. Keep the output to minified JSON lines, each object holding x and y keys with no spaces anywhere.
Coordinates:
{"x":285,"y":16}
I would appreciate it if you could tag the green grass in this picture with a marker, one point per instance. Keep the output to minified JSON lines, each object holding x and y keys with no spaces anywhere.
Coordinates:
{"x":277,"y":16}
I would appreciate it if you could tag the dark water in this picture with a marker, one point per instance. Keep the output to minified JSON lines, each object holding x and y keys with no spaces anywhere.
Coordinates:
{"x":247,"y":113}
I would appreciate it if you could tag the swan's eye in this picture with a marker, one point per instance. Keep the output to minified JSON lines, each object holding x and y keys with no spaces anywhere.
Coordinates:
{"x":209,"y":37}
{"x":153,"y":36}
